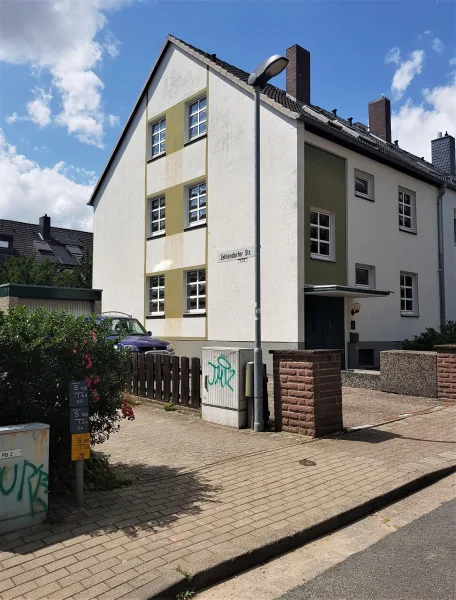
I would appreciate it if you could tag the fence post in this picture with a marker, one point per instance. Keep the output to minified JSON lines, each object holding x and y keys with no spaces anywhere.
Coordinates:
{"x":134,"y":360}
{"x":175,"y":379}
{"x":142,"y":375}
{"x":166,"y":379}
{"x":150,"y":375}
{"x":184,"y":380}
{"x":158,"y":377}
{"x":196,"y":382}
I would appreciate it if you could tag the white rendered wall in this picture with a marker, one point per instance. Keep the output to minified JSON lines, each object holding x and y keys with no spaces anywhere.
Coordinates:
{"x":178,"y":167}
{"x":179,"y":251}
{"x":230,"y":214}
{"x":178,"y":77}
{"x":186,"y":328}
{"x":449,"y":207}
{"x":374,"y":238}
{"x":119,"y":228}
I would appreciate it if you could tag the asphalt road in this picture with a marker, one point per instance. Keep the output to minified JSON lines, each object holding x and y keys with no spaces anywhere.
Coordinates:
{"x":413,"y":563}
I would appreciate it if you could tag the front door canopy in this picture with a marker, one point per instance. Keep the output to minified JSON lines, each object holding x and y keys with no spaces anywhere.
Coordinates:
{"x":344,"y":290}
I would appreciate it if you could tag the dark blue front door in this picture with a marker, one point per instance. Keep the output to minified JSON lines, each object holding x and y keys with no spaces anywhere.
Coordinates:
{"x":324,"y":322}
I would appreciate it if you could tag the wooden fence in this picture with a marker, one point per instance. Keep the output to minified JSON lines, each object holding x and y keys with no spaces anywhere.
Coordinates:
{"x":175,"y":379}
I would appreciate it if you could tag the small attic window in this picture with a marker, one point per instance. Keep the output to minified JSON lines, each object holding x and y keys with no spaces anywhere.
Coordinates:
{"x":4,"y":244}
{"x":75,"y":250}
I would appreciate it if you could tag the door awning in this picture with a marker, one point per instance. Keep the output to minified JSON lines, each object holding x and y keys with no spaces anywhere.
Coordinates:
{"x":344,"y":290}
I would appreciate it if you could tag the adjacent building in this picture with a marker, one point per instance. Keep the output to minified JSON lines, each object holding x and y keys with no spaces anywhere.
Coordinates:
{"x":357,"y":235}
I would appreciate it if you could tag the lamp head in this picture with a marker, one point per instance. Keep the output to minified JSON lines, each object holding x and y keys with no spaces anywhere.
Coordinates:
{"x":267,"y":70}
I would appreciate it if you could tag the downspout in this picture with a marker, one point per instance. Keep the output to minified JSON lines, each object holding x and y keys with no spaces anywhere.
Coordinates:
{"x":441,"y":258}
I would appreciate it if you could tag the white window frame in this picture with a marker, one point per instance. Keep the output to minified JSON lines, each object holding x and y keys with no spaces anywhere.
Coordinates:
{"x":201,"y":122}
{"x":401,"y":209}
{"x":332,"y":222}
{"x":199,"y":207}
{"x":199,"y":296}
{"x":403,"y":286}
{"x":370,"y":185}
{"x":159,"y":219}
{"x":161,"y":137}
{"x":4,"y":244}
{"x":371,"y":276}
{"x":159,"y":287}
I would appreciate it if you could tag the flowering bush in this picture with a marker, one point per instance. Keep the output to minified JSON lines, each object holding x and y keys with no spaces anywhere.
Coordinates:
{"x":40,"y":353}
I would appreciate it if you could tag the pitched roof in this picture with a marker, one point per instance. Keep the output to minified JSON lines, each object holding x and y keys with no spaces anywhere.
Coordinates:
{"x":26,"y":242}
{"x":356,"y":134}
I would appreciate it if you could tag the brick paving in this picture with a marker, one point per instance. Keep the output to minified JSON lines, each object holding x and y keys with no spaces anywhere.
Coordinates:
{"x":188,"y":520}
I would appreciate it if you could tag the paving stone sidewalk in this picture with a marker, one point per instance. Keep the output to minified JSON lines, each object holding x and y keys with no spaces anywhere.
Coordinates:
{"x":131,"y":541}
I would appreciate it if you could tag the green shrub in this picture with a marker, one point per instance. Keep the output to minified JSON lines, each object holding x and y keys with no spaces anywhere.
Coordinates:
{"x":40,"y":353}
{"x":432,"y":337}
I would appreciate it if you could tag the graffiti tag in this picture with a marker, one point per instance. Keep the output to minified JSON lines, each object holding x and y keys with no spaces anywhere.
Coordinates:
{"x":27,"y":483}
{"x":222,"y":373}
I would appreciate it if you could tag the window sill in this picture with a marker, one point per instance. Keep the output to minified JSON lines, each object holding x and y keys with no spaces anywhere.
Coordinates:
{"x":197,"y":226}
{"x":410,"y":315}
{"x":194,"y":314}
{"x":363,"y":287}
{"x":358,"y":195}
{"x":324,"y":258}
{"x":405,"y":230}
{"x":157,"y":316}
{"x":195,"y":139}
{"x":149,"y":160}
{"x":154,"y":237}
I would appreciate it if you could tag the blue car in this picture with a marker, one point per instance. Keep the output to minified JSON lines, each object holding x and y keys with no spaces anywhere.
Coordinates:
{"x":133,"y":336}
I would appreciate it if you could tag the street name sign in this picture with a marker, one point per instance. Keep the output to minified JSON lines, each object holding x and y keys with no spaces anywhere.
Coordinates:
{"x":239,"y":254}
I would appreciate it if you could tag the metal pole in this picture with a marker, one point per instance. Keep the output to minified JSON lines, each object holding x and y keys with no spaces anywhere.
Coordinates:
{"x":79,"y":469}
{"x":258,"y":424}
{"x":441,"y":255}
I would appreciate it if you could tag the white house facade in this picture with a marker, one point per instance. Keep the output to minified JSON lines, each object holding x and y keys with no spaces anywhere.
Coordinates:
{"x":349,"y":221}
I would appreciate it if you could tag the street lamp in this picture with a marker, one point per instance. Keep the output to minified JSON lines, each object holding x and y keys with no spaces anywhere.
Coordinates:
{"x":258,"y":79}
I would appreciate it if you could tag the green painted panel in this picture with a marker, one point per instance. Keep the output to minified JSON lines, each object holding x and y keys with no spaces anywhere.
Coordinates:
{"x":175,"y":128}
{"x":324,"y":187}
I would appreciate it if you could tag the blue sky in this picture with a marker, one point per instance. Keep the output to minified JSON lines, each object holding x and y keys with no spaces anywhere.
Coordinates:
{"x":67,"y":91}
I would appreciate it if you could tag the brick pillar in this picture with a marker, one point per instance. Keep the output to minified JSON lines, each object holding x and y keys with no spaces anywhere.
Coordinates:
{"x":308,"y":391}
{"x":446,"y":372}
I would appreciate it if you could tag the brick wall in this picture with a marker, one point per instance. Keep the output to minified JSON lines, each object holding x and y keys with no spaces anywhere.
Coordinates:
{"x":308,"y":391}
{"x":446,"y":372}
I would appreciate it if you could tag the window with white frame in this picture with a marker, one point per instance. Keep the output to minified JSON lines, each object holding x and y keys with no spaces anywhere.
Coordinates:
{"x":196,"y":204}
{"x":158,"y":130}
{"x":157,"y":295}
{"x":195,"y":291}
{"x":364,"y":185}
{"x":157,"y":215}
{"x":407,"y":210}
{"x":321,"y":234}
{"x":197,"y":118}
{"x":409,"y":294}
{"x":365,"y":276}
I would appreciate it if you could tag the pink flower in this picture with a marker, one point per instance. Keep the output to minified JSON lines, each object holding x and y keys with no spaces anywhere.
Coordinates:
{"x":75,"y":351}
{"x":89,"y":381}
{"x":93,"y":335}
{"x":85,"y":341}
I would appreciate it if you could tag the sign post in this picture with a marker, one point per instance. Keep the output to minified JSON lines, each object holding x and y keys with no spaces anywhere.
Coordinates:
{"x":80,"y":437}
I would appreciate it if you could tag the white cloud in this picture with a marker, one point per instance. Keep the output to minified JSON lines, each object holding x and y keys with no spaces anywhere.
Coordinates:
{"x":60,"y":36}
{"x":406,"y":72}
{"x":113,"y":120}
{"x":416,"y":124}
{"x":38,"y":110}
{"x":29,"y":191}
{"x":393,"y":56}
{"x":13,"y":118}
{"x":437,"y":45}
{"x":452,"y":62}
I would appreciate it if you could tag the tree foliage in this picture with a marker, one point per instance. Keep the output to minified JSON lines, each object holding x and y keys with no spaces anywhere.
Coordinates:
{"x":40,"y":353}
{"x":21,"y":269}
{"x":432,"y":337}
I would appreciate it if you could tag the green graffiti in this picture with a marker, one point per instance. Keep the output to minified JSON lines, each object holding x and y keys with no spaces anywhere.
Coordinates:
{"x":222,"y":373}
{"x":33,"y":485}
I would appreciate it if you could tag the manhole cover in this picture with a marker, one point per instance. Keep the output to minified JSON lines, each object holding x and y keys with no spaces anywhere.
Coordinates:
{"x":307,"y":463}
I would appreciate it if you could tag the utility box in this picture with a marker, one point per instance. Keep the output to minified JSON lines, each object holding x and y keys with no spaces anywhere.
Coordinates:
{"x":24,"y":467}
{"x":224,"y":400}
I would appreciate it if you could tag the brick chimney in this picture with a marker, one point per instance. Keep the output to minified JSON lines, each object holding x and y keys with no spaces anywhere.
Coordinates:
{"x":45,"y":227}
{"x":298,"y":73}
{"x":443,"y":153}
{"x":380,"y":118}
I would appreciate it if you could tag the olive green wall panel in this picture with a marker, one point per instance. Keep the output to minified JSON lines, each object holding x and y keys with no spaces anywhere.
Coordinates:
{"x":325,"y":187}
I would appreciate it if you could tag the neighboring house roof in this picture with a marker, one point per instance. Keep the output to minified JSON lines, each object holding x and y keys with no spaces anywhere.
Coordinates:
{"x":62,"y":246}
{"x":325,"y":123}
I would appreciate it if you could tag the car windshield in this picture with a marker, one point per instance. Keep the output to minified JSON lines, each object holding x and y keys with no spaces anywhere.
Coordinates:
{"x":124,"y":326}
